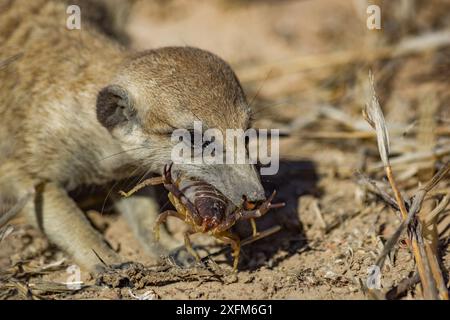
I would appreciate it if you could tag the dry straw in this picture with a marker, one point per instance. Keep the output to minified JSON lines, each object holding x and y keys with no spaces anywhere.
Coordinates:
{"x":430,"y":274}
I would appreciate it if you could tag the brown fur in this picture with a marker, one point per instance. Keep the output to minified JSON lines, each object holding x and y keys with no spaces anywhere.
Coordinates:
{"x":51,"y":136}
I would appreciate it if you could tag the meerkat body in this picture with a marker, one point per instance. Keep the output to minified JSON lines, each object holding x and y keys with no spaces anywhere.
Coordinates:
{"x":48,"y":124}
{"x":48,"y":93}
{"x":77,"y":109}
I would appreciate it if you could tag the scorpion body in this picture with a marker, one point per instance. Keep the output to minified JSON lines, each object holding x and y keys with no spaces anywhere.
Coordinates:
{"x":205,"y":209}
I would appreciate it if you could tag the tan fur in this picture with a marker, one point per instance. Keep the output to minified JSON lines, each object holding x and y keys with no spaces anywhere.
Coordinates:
{"x":50,"y":134}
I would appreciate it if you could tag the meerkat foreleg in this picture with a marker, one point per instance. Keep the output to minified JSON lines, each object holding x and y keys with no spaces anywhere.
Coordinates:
{"x":58,"y":216}
{"x":141,"y":212}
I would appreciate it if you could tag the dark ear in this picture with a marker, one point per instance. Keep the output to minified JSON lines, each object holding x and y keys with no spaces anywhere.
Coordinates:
{"x":114,"y":106}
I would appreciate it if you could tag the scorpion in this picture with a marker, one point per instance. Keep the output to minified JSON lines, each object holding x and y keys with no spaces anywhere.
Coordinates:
{"x":205,"y":209}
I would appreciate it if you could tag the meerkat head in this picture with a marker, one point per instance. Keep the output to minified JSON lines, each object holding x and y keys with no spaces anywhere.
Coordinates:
{"x":159,"y":91}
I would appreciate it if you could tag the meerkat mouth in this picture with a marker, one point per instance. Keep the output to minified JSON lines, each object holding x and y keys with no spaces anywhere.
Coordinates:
{"x":205,"y":209}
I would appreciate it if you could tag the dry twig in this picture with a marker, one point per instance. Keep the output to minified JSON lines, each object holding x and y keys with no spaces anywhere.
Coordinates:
{"x":428,"y":267}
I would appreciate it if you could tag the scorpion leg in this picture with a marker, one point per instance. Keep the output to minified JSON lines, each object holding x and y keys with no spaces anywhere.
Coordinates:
{"x":177,"y":204}
{"x":254,"y":230}
{"x":147,"y":182}
{"x":162,"y":218}
{"x":231,"y":220}
{"x":250,"y":206}
{"x":173,"y":189}
{"x":262,"y":209}
{"x":188,"y":245}
{"x":235,"y":242}
{"x":185,"y":201}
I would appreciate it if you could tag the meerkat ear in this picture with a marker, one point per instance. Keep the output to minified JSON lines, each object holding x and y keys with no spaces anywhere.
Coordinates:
{"x":114,"y":106}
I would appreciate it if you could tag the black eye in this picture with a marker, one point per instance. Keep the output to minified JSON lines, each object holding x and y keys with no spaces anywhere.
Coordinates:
{"x":205,"y":144}
{"x":192,"y":136}
{"x":247,"y":140}
{"x":194,"y":148}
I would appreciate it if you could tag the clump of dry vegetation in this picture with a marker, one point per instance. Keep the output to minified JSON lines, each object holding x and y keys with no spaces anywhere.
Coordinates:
{"x":421,"y":225}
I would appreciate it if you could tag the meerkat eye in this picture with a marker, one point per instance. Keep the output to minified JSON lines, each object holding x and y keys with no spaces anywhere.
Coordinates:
{"x":194,"y":142}
{"x":192,"y":135}
{"x":247,"y":140}
{"x":205,"y":144}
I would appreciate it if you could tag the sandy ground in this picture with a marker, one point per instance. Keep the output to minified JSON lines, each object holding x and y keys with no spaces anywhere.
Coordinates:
{"x":332,"y":229}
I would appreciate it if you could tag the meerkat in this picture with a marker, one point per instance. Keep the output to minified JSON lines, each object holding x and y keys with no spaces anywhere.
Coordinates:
{"x":77,"y":109}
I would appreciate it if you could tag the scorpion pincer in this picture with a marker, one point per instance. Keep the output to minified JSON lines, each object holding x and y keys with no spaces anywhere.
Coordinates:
{"x":205,"y":209}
